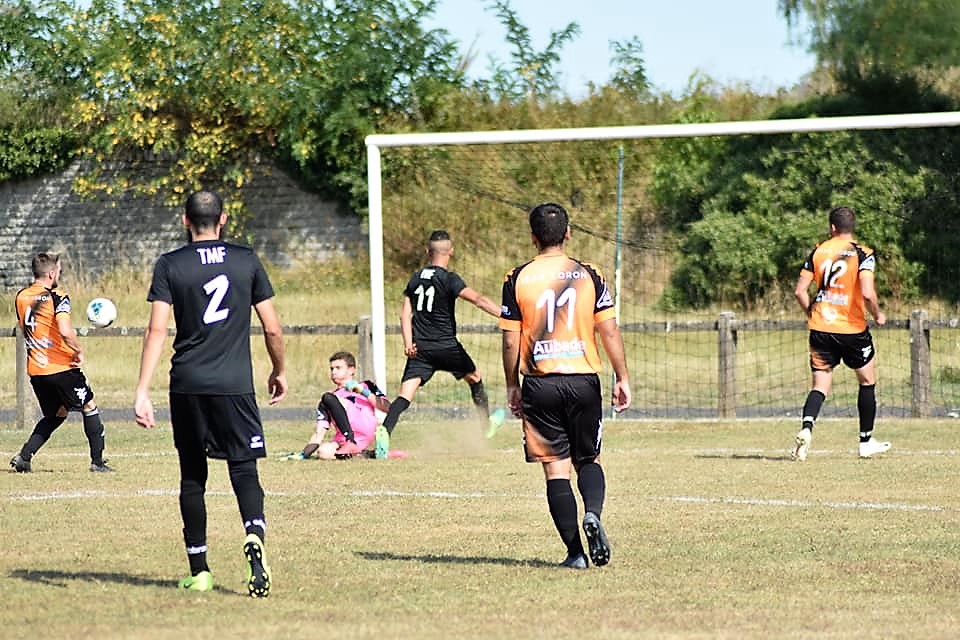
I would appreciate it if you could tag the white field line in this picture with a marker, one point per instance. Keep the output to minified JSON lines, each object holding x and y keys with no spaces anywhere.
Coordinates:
{"x":85,"y":494}
{"x":803,"y":504}
{"x":81,"y":494}
{"x":716,"y":451}
{"x":894,"y":451}
{"x":80,"y":453}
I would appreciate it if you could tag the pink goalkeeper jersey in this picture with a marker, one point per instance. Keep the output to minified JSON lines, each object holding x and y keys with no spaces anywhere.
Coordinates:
{"x":362,"y":415}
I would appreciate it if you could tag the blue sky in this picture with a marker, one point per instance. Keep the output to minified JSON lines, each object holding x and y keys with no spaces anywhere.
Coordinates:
{"x":730,"y":40}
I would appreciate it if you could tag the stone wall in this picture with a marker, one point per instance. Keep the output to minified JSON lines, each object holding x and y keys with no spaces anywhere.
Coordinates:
{"x":287,"y":225}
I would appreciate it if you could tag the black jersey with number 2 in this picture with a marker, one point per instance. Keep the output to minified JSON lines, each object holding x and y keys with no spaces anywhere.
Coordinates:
{"x":433,"y":293}
{"x":212,"y":286}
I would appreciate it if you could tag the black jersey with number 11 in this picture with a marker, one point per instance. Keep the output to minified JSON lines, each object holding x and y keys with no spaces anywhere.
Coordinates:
{"x":433,"y":293}
{"x":212,"y":286}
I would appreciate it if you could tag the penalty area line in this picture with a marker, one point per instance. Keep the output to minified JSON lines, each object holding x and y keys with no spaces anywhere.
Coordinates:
{"x":803,"y":504}
{"x":452,"y":495}
{"x":83,"y":494}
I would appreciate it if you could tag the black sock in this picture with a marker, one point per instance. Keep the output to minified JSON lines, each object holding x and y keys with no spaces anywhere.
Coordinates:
{"x":563,"y":509}
{"x":310,"y":449}
{"x":337,"y":415}
{"x":194,"y":513}
{"x":41,"y":433}
{"x":93,"y":428}
{"x":867,"y":410}
{"x":593,"y":487}
{"x":197,"y":557}
{"x":811,"y":408}
{"x":397,"y":407}
{"x":246,"y":486}
{"x":480,"y":400}
{"x":193,"y":509}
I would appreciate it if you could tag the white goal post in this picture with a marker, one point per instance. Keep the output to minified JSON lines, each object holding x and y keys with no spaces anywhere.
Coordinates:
{"x":377,"y":142}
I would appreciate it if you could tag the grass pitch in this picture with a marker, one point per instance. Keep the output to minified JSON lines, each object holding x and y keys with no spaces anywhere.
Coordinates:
{"x":715,"y":533}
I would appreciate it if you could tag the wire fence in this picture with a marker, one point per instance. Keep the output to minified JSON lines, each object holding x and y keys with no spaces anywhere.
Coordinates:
{"x":723,"y":368}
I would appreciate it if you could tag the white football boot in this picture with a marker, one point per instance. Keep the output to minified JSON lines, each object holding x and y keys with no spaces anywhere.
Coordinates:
{"x":802,"y":444}
{"x":872,"y":446}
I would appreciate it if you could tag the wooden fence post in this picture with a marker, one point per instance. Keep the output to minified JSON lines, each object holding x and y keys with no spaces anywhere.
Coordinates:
{"x":365,"y":351}
{"x":919,"y":364}
{"x":22,"y":379}
{"x":727,"y":362}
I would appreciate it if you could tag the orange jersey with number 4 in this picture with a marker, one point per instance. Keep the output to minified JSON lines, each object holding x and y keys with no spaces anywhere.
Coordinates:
{"x":37,"y":311}
{"x":838,"y":304}
{"x":555,"y":302}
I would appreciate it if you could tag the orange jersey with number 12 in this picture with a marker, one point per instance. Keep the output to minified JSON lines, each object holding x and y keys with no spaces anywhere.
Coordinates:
{"x":555,"y":303}
{"x":838,"y":305}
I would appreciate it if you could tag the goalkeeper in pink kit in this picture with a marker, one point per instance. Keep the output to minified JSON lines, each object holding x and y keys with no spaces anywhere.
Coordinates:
{"x":350,"y":409}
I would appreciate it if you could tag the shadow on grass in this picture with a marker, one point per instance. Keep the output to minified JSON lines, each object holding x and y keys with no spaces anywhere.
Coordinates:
{"x":449,"y":559}
{"x":59,"y":578}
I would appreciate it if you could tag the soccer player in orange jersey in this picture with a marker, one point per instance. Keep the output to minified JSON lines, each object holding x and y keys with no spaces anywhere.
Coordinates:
{"x":551,"y":308}
{"x":54,"y":357}
{"x":843,"y":272}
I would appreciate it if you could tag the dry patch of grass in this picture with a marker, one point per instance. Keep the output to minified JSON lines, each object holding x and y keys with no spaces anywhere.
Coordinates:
{"x":715,"y":533}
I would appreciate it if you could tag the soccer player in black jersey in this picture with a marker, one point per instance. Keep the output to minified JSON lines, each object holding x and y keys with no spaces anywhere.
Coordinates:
{"x":429,"y":327}
{"x":210,"y":286}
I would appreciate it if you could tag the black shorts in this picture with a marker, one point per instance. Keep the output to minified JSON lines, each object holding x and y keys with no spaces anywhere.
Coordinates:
{"x":454,"y":359}
{"x":827,"y":350}
{"x":65,"y":389}
{"x":562,"y":417}
{"x":223,"y":427}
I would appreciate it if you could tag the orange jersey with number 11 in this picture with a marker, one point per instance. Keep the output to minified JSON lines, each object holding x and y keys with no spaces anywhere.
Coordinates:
{"x":838,"y":305}
{"x":555,"y":302}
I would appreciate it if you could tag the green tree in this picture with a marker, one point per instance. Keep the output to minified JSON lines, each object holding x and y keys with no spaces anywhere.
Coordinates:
{"x":215,"y":86}
{"x":630,"y":76}
{"x":374,"y":69}
{"x":36,"y":137}
{"x":755,"y":229}
{"x":855,"y":38}
{"x":531,"y":74}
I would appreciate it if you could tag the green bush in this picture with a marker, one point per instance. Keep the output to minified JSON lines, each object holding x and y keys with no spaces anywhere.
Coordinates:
{"x":32,"y":152}
{"x":757,"y":229}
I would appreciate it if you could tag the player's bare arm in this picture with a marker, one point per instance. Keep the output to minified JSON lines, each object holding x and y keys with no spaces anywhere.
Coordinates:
{"x":382,"y":403}
{"x":481,"y":301}
{"x":153,"y":339}
{"x":273,"y":339}
{"x":612,"y":342}
{"x":870,"y":299}
{"x":69,"y":335}
{"x":802,"y":291}
{"x":511,"y":371}
{"x":406,"y":328}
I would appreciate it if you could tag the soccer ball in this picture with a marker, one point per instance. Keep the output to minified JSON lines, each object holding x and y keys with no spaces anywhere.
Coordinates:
{"x":101,"y":312}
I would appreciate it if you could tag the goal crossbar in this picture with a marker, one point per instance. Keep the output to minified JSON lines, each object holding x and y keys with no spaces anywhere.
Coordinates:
{"x":376,"y":142}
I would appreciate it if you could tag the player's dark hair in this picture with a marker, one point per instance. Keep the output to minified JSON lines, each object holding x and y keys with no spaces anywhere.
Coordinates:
{"x":346,"y":356}
{"x":203,"y":209}
{"x":44,"y":263}
{"x":437,"y":237}
{"x":549,"y":222}
{"x":844,"y":219}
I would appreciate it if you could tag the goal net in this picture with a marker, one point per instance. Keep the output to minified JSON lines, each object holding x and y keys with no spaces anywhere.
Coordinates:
{"x":705,"y":300}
